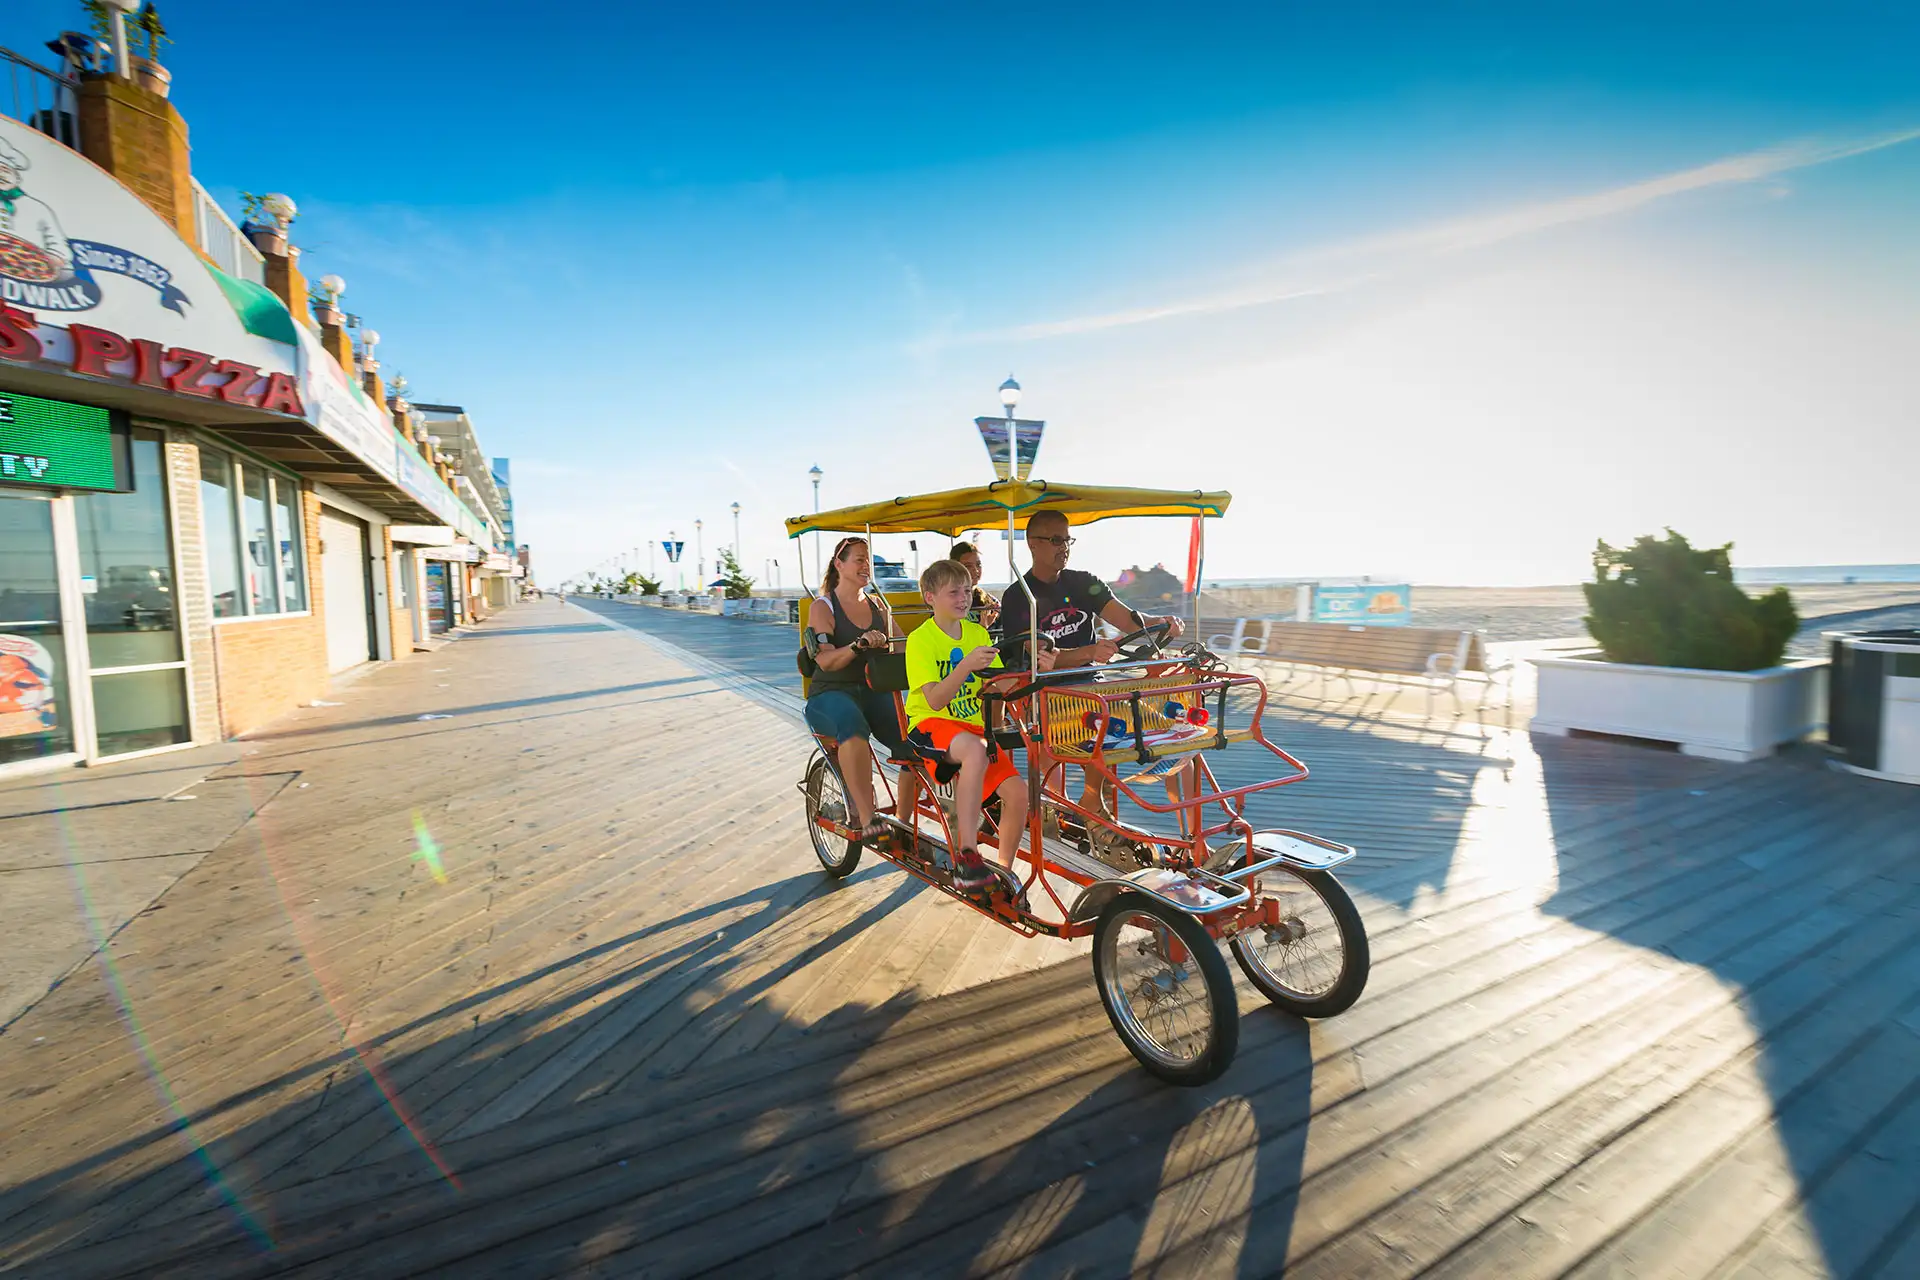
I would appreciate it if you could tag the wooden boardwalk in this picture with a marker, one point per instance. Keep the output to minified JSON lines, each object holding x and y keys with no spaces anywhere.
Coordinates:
{"x":551,"y":986}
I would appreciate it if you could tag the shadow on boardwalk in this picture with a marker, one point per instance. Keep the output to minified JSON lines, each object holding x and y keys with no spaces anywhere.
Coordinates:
{"x":1805,"y":888}
{"x":1024,"y":1125}
{"x":1630,"y":1014}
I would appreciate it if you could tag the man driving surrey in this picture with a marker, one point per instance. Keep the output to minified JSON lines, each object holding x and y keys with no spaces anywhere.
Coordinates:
{"x":1068,"y":600}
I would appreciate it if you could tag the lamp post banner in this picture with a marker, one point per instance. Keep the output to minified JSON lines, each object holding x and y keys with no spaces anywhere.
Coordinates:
{"x":673,"y":550}
{"x":994,"y":432}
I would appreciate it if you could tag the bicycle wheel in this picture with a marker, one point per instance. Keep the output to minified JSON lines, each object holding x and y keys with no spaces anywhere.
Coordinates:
{"x":1314,"y":961}
{"x":825,"y":796}
{"x":1166,"y":989}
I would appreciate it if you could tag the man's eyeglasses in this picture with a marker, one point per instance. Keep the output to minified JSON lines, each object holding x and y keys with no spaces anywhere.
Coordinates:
{"x":1058,"y":542}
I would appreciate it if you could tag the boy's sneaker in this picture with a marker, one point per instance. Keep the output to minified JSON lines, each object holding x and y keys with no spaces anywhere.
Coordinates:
{"x":970,"y":871}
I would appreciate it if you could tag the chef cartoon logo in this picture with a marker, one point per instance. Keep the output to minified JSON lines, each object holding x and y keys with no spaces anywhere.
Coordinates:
{"x":40,"y":268}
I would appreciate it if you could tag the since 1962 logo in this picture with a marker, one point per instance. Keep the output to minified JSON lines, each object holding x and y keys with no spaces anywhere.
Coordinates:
{"x":42,"y":269}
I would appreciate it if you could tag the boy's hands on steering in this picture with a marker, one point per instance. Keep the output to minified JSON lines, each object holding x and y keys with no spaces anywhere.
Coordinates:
{"x":1046,"y":659}
{"x":1102,"y":650}
{"x":979,"y":659}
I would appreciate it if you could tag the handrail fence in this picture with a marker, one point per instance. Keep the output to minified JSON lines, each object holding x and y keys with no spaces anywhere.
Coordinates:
{"x":41,"y":99}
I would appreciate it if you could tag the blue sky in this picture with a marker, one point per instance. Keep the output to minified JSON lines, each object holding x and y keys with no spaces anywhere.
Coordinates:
{"x":1438,"y":291}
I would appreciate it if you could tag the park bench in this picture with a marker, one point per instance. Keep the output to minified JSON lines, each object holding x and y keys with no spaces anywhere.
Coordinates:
{"x":1430,"y":657}
{"x":1249,"y":636}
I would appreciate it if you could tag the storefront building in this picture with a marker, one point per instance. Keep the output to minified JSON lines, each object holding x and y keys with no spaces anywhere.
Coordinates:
{"x":198,"y":482}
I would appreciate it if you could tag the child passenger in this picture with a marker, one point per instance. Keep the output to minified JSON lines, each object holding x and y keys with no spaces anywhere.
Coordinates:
{"x":945,"y":656}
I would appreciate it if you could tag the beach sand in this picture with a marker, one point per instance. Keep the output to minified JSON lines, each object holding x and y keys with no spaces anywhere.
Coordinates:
{"x":1511,"y":614}
{"x":1548,"y":613}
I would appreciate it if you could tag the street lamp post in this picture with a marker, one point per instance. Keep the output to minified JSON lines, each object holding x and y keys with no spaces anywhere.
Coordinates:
{"x":1009,"y":397}
{"x":675,"y":558}
{"x":700,"y":553}
{"x":736,"y":533}
{"x":816,"y":473}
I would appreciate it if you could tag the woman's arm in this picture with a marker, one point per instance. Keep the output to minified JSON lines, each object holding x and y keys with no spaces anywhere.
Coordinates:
{"x":830,"y":657}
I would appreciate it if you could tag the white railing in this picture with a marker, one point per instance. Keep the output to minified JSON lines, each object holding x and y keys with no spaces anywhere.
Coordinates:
{"x":220,"y":240}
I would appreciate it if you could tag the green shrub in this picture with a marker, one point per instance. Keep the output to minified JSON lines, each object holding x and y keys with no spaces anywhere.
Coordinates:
{"x":1661,"y":603}
{"x":739,"y":585}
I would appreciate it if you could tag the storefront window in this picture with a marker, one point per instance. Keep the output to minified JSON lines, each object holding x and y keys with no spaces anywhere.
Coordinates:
{"x":126,"y":567}
{"x":139,"y":710}
{"x":218,"y":518}
{"x":256,"y":549}
{"x":36,"y":716}
{"x":403,"y":577}
{"x":133,"y":628}
{"x":286,"y":534}
{"x":257,"y":554}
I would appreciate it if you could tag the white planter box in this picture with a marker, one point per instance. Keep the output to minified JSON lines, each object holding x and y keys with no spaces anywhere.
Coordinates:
{"x":1723,"y":715}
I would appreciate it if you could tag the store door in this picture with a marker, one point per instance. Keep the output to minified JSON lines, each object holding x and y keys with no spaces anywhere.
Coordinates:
{"x":343,"y":569}
{"x":439,"y":605}
{"x":36,"y":713}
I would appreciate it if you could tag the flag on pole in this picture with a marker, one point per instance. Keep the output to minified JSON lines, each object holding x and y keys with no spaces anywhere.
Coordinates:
{"x":1193,"y":557}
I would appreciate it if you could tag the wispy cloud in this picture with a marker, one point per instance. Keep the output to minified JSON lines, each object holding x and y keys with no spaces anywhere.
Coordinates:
{"x":1338,"y":267}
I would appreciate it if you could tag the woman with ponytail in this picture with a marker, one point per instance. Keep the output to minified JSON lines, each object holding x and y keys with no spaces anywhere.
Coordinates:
{"x":843,"y":625}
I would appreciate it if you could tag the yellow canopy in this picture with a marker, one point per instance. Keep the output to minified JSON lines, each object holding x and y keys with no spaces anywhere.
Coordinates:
{"x":986,"y":507}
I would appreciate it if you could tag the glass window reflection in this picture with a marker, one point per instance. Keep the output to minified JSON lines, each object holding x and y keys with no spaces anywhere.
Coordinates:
{"x":292,"y":545}
{"x":257,"y":557}
{"x":218,"y":518}
{"x":35,"y":714}
{"x":126,"y":566}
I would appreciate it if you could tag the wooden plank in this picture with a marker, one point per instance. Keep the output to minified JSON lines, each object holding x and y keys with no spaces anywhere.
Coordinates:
{"x":1601,"y":1016}
{"x":1620,"y":1182}
{"x":1855,"y":1219}
{"x":1391,"y":1156}
{"x":761,"y":1206}
{"x":1691,"y":1231}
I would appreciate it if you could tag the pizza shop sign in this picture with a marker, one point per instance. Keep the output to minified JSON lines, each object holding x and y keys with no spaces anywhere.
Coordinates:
{"x":101,"y":353}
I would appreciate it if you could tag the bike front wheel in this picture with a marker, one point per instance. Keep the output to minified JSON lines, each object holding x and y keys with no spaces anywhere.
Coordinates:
{"x":1166,"y":989}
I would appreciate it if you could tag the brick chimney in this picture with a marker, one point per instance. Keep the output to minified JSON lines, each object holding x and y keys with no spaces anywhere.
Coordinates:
{"x":333,"y":325}
{"x":137,"y":136}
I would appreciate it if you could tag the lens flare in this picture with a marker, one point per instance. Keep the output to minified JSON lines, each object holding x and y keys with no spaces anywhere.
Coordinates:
{"x":426,"y":849}
{"x":182,"y":1119}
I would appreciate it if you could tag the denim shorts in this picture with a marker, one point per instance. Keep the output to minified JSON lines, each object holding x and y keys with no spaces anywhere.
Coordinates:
{"x":849,"y":713}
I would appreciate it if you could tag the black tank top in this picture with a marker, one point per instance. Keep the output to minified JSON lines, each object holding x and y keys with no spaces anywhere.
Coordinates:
{"x":845,"y":632}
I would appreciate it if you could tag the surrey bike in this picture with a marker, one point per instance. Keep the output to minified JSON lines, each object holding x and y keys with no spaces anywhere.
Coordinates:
{"x":1156,"y":902}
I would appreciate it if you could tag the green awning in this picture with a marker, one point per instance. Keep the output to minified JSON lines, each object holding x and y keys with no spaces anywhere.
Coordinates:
{"x":260,"y":311}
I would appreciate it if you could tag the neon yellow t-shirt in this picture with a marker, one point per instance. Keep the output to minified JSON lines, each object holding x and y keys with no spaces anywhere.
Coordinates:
{"x":932,"y":655}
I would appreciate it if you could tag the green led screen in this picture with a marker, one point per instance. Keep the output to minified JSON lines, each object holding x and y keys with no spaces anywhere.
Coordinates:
{"x":68,"y":446}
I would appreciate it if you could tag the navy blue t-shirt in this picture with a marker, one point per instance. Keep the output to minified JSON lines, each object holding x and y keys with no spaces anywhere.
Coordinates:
{"x":1069,"y":606}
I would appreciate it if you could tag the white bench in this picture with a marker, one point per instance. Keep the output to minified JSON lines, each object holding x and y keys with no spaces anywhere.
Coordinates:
{"x":1249,"y":636}
{"x":1427,"y":656}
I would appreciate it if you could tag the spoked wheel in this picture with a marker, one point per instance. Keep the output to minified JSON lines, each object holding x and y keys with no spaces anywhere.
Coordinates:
{"x":1313,"y":961}
{"x":826,"y":797}
{"x":1166,"y":989}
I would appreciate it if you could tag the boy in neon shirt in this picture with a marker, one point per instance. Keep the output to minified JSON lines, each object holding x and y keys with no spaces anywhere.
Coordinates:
{"x":945,"y":656}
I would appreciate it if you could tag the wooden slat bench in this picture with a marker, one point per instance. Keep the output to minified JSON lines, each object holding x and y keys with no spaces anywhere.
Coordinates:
{"x":1430,"y":656}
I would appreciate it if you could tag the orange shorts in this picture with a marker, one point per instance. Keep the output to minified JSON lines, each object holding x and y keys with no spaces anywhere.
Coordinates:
{"x":933,"y":736}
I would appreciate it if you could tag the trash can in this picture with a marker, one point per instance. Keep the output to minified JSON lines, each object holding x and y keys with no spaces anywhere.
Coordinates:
{"x":1873,"y":703}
